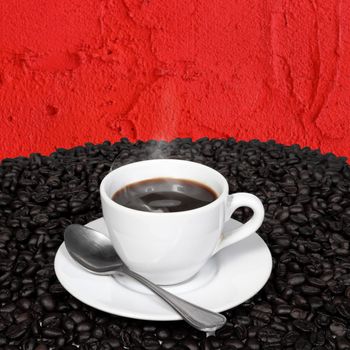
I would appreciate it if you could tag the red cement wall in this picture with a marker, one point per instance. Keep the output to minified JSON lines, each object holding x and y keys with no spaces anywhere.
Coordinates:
{"x":73,"y":71}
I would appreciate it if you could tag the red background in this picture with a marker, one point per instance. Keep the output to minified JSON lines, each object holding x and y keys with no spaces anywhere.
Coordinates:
{"x":73,"y":71}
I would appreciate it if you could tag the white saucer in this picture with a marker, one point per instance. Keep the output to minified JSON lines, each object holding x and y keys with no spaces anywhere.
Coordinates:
{"x":229,"y":278}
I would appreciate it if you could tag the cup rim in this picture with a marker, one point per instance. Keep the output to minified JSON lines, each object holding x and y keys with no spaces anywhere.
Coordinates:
{"x":111,"y":202}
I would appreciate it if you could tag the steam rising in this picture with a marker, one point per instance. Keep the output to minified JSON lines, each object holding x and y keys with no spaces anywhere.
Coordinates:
{"x":168,"y":112}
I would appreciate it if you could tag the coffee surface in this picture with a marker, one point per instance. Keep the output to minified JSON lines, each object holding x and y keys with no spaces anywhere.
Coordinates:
{"x":164,"y":195}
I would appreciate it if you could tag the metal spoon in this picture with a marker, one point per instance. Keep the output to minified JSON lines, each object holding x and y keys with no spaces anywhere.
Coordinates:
{"x":94,"y":252}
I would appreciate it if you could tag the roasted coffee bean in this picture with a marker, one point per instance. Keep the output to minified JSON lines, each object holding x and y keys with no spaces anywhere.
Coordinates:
{"x":22,"y":235}
{"x":136,"y":336}
{"x":113,"y":330}
{"x":322,"y":320}
{"x":283,"y":309}
{"x":243,"y":320}
{"x":105,"y":346}
{"x":98,"y":332}
{"x":278,"y":325}
{"x":215,"y":342}
{"x":344,"y":309}
{"x":83,"y":337}
{"x":310,"y":290}
{"x":240,"y":331}
{"x":84,"y":326}
{"x":16,"y":331}
{"x":77,"y":316}
{"x":273,"y":346}
{"x":125,"y":338}
{"x":74,"y":304}
{"x":296,"y":279}
{"x":293,"y":266}
{"x":336,"y":287}
{"x":266,"y":308}
{"x":287,"y":293}
{"x":51,"y":332}
{"x":300,"y":218}
{"x":168,"y":344}
{"x":48,"y":302}
{"x":27,"y":290}
{"x":151,"y":344}
{"x":56,"y":289}
{"x":179,"y":347}
{"x":179,"y":334}
{"x":235,"y":343}
{"x":163,"y":333}
{"x":300,"y":301}
{"x":5,"y":199}
{"x":303,"y":326}
{"x":302,"y":344}
{"x":30,"y":270}
{"x":268,"y":335}
{"x":29,"y":280}
{"x":298,"y":314}
{"x":306,"y":226}
{"x":9,"y":307}
{"x":190,"y":344}
{"x":337,"y":328}
{"x":260,"y":316}
{"x":40,"y":197}
{"x":42,"y":347}
{"x":68,"y":324}
{"x":5,"y":294}
{"x":60,"y":341}
{"x":226,"y":331}
{"x":343,"y":343}
{"x":4,"y":324}
{"x":51,"y":320}
{"x":253,"y":344}
{"x":317,"y":282}
{"x":317,"y":338}
{"x":23,"y":317}
{"x":345,"y":279}
{"x":29,"y":344}
{"x":315,"y":302}
{"x":149,"y":328}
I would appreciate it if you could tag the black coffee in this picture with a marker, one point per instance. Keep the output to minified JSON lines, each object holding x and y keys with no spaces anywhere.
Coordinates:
{"x":164,"y":195}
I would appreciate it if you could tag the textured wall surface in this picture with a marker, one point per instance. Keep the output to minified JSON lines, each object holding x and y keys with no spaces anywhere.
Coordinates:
{"x":73,"y":71}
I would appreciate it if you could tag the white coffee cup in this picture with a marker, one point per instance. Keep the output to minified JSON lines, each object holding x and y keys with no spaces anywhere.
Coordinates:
{"x":169,"y":248}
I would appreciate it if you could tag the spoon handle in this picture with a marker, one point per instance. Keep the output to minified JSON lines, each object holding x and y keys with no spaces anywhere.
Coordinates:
{"x":199,"y":318}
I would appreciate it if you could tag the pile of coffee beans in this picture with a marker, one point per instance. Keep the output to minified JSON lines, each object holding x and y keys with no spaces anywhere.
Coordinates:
{"x":304,"y":305}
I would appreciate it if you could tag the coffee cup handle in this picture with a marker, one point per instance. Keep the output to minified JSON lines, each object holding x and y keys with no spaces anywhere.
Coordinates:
{"x":235,"y":201}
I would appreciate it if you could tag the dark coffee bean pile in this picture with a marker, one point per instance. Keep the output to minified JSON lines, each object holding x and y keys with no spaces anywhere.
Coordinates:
{"x":304,"y":305}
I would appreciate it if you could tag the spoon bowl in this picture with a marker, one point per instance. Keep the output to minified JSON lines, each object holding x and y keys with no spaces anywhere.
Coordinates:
{"x":91,"y":249}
